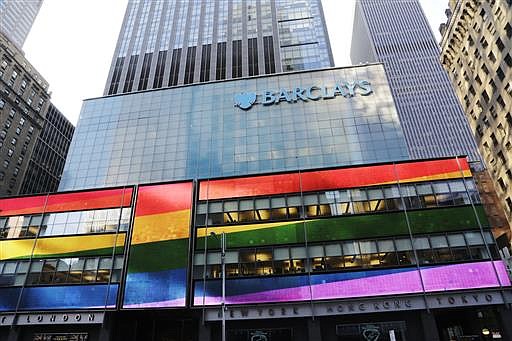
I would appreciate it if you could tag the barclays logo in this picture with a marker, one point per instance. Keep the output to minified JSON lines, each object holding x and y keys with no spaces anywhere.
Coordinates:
{"x":245,"y":100}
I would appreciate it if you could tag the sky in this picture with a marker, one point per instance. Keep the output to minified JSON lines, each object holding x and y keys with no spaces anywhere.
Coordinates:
{"x":72,"y":43}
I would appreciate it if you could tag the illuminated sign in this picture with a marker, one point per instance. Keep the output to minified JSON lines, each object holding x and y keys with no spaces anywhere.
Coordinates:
{"x":245,"y":100}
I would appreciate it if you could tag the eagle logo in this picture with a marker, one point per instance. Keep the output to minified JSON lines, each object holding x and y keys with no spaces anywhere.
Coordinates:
{"x":245,"y":100}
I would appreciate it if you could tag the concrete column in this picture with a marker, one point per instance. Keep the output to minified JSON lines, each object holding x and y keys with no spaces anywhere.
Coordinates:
{"x":14,"y":334}
{"x":107,"y":327}
{"x":314,"y":332}
{"x":205,"y":332}
{"x":430,"y":332}
{"x":505,"y":316}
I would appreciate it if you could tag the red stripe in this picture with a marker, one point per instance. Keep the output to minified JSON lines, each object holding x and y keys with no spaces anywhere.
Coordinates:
{"x":155,"y":199}
{"x":66,"y":202}
{"x":325,"y":179}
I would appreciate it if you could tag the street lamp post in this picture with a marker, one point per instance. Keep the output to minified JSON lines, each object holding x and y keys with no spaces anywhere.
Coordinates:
{"x":223,"y":274}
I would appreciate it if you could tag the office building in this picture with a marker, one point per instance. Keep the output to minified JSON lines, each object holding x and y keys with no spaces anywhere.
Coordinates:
{"x":47,"y":161}
{"x":24,"y":99}
{"x":476,"y":53}
{"x":388,"y":251}
{"x":17,"y":18}
{"x":397,"y":34}
{"x":299,"y":184}
{"x":167,"y":43}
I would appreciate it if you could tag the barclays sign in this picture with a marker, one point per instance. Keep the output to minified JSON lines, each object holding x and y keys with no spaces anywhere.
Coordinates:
{"x":245,"y":100}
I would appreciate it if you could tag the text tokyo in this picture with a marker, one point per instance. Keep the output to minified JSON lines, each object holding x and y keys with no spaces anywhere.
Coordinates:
{"x":246,"y":100}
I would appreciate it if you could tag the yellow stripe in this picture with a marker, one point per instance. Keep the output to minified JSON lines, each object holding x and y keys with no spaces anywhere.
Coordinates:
{"x":442,"y":176}
{"x":57,"y":245}
{"x":163,"y":226}
{"x":201,"y":232}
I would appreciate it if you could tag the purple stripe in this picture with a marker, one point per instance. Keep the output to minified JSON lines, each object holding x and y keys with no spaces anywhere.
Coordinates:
{"x":439,"y":278}
{"x":464,"y":276}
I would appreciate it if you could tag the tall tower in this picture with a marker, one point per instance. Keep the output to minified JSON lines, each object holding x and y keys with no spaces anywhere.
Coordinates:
{"x":397,"y":33}
{"x":172,"y":42}
{"x":17,"y":17}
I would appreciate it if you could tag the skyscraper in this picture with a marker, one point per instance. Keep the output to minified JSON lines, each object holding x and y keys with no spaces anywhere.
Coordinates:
{"x":47,"y":160}
{"x":284,"y":205}
{"x":16,"y":19}
{"x":432,"y":119}
{"x":167,"y":43}
{"x":477,"y":54}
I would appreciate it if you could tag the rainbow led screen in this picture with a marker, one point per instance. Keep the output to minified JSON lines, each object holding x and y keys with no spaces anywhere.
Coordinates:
{"x":354,"y":284}
{"x":157,"y":263}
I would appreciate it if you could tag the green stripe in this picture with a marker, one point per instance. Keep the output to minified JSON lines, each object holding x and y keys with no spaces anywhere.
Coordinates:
{"x":158,"y":256}
{"x":355,"y":227}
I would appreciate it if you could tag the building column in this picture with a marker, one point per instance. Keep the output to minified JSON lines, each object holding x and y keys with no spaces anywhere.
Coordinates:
{"x":314,"y":332}
{"x":14,"y":334}
{"x":505,"y":316}
{"x":205,"y":332}
{"x":106,"y":327}
{"x":428,"y":322}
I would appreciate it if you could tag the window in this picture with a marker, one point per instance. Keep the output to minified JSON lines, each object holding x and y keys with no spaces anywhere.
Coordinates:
{"x":12,"y":113}
{"x":130,"y":75}
{"x":190,"y":65}
{"x":500,"y":44}
{"x":30,"y":129}
{"x":10,"y":152}
{"x":335,"y":203}
{"x":116,"y":75}
{"x":205,"y":63}
{"x":75,"y":270}
{"x":349,"y":254}
{"x":144,"y":73}
{"x":160,"y":67}
{"x":253,"y":56}
{"x":3,"y":134}
{"x":236,"y":59}
{"x":6,"y":163}
{"x":220,"y":72}
{"x":175,"y":67}
{"x":20,"y":161}
{"x":13,"y":273}
{"x":2,"y":103}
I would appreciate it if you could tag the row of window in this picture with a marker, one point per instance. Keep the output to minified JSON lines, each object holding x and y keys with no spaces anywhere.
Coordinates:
{"x":61,"y":271}
{"x":349,"y":255}
{"x":65,"y":223}
{"x":337,"y":202}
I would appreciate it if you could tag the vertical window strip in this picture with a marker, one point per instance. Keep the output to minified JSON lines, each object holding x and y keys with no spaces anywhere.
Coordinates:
{"x":189,"y":66}
{"x":236,"y":70}
{"x":144,"y":73}
{"x":253,"y":56}
{"x":205,"y":63}
{"x":175,"y":67}
{"x":160,"y":67}
{"x":114,"y":84}
{"x":268,"y":45}
{"x":221,"y":61}
{"x":130,"y":75}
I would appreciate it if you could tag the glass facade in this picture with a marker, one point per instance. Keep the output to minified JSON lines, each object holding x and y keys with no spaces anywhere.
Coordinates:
{"x":197,"y":131}
{"x":395,"y":228}
{"x":216,"y":34}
